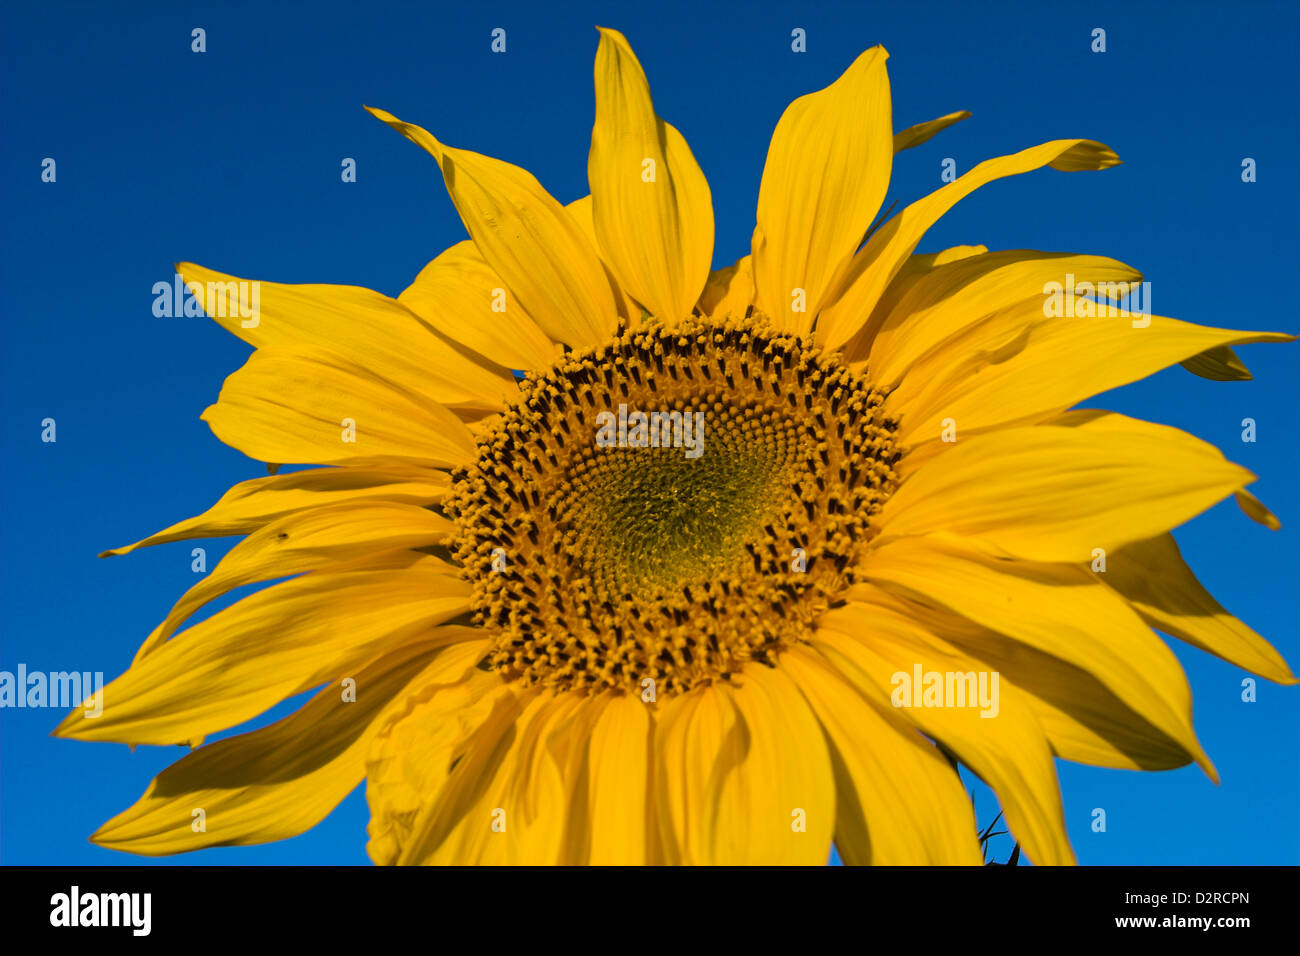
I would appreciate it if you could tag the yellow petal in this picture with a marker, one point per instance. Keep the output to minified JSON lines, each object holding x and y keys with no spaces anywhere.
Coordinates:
{"x":924,"y":132}
{"x":275,"y":782}
{"x":611,"y":804}
{"x":898,"y":800}
{"x":271,"y":645}
{"x":1098,"y":421}
{"x":1255,"y":511}
{"x":1016,"y":365}
{"x":250,"y":505}
{"x":1220,"y":364}
{"x":1083,"y":719}
{"x":1050,"y":493}
{"x":778,"y":805}
{"x":536,"y":796}
{"x":1158,"y":584}
{"x":503,"y":798}
{"x":913,"y":270}
{"x":460,"y":296}
{"x":653,"y":210}
{"x":415,"y":743}
{"x":321,"y":408}
{"x":584,"y":215}
{"x":888,"y":248}
{"x":304,"y":541}
{"x":826,"y":174}
{"x":1060,"y":609}
{"x":690,"y":736}
{"x":457,"y":817}
{"x":998,"y":737}
{"x":374,"y":331}
{"x":527,"y":238}
{"x":938,"y":310}
{"x":729,"y":291}
{"x":744,"y":775}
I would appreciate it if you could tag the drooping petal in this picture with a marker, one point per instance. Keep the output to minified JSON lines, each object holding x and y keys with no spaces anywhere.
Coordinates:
{"x":1153,"y":577}
{"x":826,"y":174}
{"x":305,"y":541}
{"x":458,"y":816}
{"x":1060,"y":609}
{"x":527,"y":238}
{"x":880,"y":259}
{"x":281,"y":780}
{"x":252,"y":504}
{"x":1050,"y":493}
{"x":502,"y":801}
{"x":898,"y":801}
{"x":998,"y":737}
{"x":322,"y":408}
{"x":415,"y":743}
{"x":1219,"y":364}
{"x":1083,"y":719}
{"x":1255,"y":510}
{"x":652,"y":206}
{"x":271,"y":645}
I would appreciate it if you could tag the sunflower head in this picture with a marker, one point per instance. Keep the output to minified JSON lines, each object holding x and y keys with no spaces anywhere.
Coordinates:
{"x":705,"y":584}
{"x":726,"y":523}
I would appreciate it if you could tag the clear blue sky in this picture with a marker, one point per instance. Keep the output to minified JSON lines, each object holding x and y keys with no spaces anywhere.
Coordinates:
{"x":231,"y":158}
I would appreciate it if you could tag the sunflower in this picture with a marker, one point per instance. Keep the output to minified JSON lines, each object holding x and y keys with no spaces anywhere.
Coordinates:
{"x":835,"y":462}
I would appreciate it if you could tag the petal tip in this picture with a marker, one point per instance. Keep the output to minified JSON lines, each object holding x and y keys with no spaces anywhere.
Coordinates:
{"x":67,"y":728}
{"x":609,"y":34}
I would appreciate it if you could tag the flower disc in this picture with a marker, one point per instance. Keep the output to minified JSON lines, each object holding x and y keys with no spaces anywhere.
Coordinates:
{"x":606,"y":548}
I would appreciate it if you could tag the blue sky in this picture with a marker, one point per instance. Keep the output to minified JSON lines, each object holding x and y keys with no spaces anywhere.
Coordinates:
{"x":231,"y":158}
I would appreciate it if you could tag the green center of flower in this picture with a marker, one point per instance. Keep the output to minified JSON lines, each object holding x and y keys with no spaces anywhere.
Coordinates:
{"x":666,"y":507}
{"x":655,"y":517}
